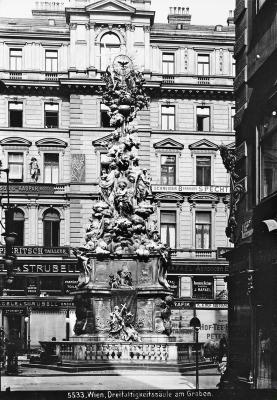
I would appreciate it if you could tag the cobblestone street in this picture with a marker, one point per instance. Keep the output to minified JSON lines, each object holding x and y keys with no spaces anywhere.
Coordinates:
{"x":38,"y":379}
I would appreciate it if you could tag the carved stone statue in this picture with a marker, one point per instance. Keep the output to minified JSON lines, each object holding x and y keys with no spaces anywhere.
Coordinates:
{"x":166,"y":313}
{"x":122,"y":214}
{"x":34,"y":169}
{"x":120,"y":325}
{"x":229,"y":159}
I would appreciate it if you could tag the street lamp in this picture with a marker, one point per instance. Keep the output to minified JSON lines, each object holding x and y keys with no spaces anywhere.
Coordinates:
{"x":195,"y":323}
{"x":28,"y":322}
{"x":67,"y":325}
{"x":9,"y":258}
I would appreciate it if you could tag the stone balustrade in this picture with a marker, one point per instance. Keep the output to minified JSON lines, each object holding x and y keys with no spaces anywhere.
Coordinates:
{"x":124,"y":351}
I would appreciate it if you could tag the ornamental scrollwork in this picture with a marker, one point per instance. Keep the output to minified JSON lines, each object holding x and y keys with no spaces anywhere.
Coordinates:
{"x":237,"y":187}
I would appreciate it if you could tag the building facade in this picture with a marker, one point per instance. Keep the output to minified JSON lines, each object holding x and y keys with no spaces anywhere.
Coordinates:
{"x":52,"y":135}
{"x":252,"y":309}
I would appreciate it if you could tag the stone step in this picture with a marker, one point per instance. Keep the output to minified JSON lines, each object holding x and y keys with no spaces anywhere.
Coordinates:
{"x":72,"y":367}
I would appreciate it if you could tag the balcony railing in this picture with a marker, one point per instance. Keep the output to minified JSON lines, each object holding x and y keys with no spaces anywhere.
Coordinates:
{"x":15,"y":75}
{"x":203,"y":80}
{"x":176,"y":79}
{"x":203,"y":253}
{"x":168,"y":78}
{"x":32,"y":75}
{"x":182,"y":79}
{"x":194,"y":253}
{"x":51,"y":76}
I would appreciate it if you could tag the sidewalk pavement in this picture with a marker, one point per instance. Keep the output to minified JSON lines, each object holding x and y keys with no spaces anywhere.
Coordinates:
{"x":35,"y":379}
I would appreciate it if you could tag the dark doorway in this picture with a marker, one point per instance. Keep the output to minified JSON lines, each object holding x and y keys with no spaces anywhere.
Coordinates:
{"x":17,"y":331}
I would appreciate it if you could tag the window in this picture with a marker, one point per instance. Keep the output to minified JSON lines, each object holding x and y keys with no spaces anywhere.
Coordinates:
{"x":168,"y":117}
{"x":203,"y":64}
{"x":18,"y":226}
{"x":202,"y":287}
{"x":233,"y":112}
{"x":269,"y":164}
{"x":203,"y":119}
{"x":15,"y":115}
{"x":51,"y":167}
{"x":15,"y":163}
{"x":50,"y":284}
{"x":168,"y":228}
{"x":185,"y":286}
{"x":51,"y":115}
{"x":51,"y":60}
{"x":109,"y":49}
{"x":51,"y":228}
{"x":259,"y":4}
{"x":233,"y":67}
{"x":105,"y":117}
{"x":203,"y":230}
{"x":16,"y":59}
{"x":168,"y":63}
{"x":168,"y":170}
{"x":203,"y":170}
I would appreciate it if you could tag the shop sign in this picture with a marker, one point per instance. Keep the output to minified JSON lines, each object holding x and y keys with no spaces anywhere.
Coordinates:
{"x":35,"y":304}
{"x":29,"y":251}
{"x":51,"y":267}
{"x":202,"y":287}
{"x":70,"y":285}
{"x":212,"y":305}
{"x":220,"y":252}
{"x":32,"y":287}
{"x":22,"y":188}
{"x":180,"y":304}
{"x":14,"y":311}
{"x":247,"y":229}
{"x":199,"y":269}
{"x":214,"y":324}
{"x":191,"y":188}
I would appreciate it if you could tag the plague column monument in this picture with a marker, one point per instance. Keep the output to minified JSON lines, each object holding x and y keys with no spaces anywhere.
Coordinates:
{"x":123,"y":296}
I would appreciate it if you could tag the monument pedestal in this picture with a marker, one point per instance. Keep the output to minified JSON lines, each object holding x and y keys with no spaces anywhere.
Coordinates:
{"x":142,"y":297}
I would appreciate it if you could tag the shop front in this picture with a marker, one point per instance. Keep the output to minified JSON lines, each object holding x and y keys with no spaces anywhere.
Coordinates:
{"x":200,"y":290}
{"x":37,"y":305}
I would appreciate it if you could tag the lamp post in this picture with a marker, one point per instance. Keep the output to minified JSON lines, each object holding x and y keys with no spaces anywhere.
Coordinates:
{"x":195,"y":323}
{"x":28,"y":322}
{"x":67,"y":324}
{"x":9,"y":236}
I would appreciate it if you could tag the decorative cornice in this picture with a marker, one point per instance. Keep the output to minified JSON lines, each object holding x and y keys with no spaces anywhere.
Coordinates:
{"x":15,"y":141}
{"x":168,"y":143}
{"x":204,"y":197}
{"x":51,"y":142}
{"x":203,"y":144}
{"x":169,"y":197}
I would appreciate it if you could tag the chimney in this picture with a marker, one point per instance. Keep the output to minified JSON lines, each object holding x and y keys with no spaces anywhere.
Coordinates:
{"x":230,"y":19}
{"x":179,"y":15}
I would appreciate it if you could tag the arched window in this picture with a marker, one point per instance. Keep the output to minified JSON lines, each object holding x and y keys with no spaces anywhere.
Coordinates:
{"x":109,"y":49}
{"x":18,"y":226}
{"x":51,"y":228}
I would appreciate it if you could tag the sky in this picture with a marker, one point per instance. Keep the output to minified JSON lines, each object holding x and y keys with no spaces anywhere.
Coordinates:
{"x":205,"y":12}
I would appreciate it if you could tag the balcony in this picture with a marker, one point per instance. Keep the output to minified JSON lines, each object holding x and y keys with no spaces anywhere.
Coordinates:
{"x":51,"y":76}
{"x":191,"y":80}
{"x":16,"y":75}
{"x":168,"y":79}
{"x":201,"y":80}
{"x":32,"y":75}
{"x":195,"y":253}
